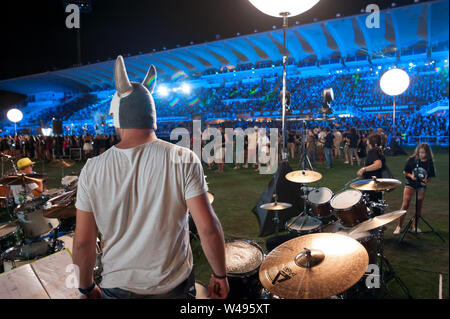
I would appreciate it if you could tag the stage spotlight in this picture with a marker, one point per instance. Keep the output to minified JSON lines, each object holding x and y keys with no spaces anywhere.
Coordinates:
{"x":163,"y":91}
{"x":15,"y":115}
{"x":293,"y":7}
{"x":327,"y":98}
{"x":394,"y":82}
{"x":185,"y":88}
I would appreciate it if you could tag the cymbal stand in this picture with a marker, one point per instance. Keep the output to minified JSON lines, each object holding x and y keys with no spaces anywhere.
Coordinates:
{"x":387,"y":273}
{"x":416,"y":218}
{"x":304,"y":158}
{"x":305,"y":211}
{"x":276,"y":219}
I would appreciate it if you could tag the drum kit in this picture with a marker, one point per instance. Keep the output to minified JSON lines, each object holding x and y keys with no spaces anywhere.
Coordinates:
{"x":334,"y":240}
{"x":35,"y":224}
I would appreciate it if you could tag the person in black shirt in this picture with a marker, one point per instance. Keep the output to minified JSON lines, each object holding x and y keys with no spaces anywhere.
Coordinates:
{"x":375,"y":163}
{"x":418,"y":171}
{"x":353,"y":145}
{"x":328,"y":147}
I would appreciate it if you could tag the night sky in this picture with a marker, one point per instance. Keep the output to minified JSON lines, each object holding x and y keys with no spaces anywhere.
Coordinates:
{"x":35,"y":39}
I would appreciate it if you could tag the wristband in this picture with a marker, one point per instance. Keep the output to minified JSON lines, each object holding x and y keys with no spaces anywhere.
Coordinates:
{"x":219,"y":277}
{"x":87,"y":290}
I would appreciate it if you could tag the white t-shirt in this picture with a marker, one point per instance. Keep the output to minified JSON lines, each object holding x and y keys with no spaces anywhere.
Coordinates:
{"x":138,"y":198}
{"x":17,"y":189}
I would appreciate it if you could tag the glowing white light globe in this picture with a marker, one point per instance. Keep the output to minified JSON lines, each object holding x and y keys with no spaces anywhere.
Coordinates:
{"x":394,"y":82}
{"x":14,"y":115}
{"x":276,"y":7}
{"x":163,"y":91}
{"x":185,"y":88}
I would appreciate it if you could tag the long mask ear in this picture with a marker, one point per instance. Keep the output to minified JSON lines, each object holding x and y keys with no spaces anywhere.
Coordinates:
{"x":150,"y":79}
{"x":123,"y":85}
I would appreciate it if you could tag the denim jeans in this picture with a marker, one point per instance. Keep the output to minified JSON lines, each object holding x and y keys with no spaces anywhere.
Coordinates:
{"x":329,"y":156}
{"x":185,"y":290}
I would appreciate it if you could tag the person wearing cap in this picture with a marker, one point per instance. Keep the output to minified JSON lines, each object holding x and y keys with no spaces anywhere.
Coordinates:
{"x":25,"y":166}
{"x":137,"y":194}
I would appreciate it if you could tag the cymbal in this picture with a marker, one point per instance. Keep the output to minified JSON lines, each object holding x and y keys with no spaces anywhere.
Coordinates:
{"x":377,"y":184}
{"x":336,"y":263}
{"x":377,"y":221}
{"x":303,"y":176}
{"x":64,"y":196}
{"x":210,"y":197}
{"x":21,"y":179}
{"x":276,"y":206}
{"x":62,"y":163}
{"x":61,"y":211}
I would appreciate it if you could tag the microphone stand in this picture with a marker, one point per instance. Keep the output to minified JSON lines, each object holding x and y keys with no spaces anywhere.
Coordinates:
{"x":416,"y":216}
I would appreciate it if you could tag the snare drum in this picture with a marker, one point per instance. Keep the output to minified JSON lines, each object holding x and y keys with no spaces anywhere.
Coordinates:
{"x":299,"y":226}
{"x":243,"y":259}
{"x":350,"y":207}
{"x":52,"y":192}
{"x":319,"y":200}
{"x":10,"y":236}
{"x":36,"y":225}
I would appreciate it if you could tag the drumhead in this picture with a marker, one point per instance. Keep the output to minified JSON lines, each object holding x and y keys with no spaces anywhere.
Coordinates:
{"x":310,"y":223}
{"x":7,"y":229}
{"x":346,"y":199}
{"x":320,"y":195}
{"x":242,"y":256}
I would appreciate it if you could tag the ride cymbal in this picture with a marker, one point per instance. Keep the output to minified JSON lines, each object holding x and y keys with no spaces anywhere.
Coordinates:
{"x":376,"y":184}
{"x":303,"y":176}
{"x":21,"y":179}
{"x":314,"y":266}
{"x":377,"y":221}
{"x":276,"y":206}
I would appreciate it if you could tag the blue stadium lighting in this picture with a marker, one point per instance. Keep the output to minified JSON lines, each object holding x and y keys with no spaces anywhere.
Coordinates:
{"x":163,"y":91}
{"x":379,"y":67}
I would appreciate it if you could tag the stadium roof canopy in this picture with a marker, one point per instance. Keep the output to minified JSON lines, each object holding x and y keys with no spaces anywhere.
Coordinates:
{"x":419,"y":25}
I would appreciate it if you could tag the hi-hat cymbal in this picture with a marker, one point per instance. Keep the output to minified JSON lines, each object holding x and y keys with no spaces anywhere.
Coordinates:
{"x":314,"y":266}
{"x":276,"y":206}
{"x":376,"y":184}
{"x":303,"y":176}
{"x":21,"y":179}
{"x":377,"y":221}
{"x":60,"y":163}
{"x":210,"y":197}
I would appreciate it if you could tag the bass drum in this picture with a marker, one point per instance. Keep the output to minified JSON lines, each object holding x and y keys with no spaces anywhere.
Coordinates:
{"x":243,"y":259}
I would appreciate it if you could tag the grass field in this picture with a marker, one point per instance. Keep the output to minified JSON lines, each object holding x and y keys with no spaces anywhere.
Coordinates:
{"x":418,"y":261}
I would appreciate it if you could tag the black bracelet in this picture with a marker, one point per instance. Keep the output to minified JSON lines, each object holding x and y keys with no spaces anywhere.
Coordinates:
{"x":219,"y":277}
{"x":87,"y":290}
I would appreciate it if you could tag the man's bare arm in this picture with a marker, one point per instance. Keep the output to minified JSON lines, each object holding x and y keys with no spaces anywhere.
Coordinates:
{"x":84,"y":247}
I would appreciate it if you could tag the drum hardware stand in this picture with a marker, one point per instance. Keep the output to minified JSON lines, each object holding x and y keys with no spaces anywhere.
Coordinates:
{"x":304,"y":157}
{"x":389,"y":274}
{"x":416,"y":217}
{"x":276,"y":219}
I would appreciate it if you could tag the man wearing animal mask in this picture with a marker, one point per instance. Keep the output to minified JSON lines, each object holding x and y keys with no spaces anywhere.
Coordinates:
{"x":136,"y":195}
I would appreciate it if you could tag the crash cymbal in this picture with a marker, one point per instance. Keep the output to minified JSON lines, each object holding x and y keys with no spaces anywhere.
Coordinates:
{"x":21,"y":179}
{"x":60,"y":163}
{"x":276,"y":206}
{"x":64,"y":196}
{"x":375,"y":184}
{"x":303,"y":176}
{"x":210,"y":197}
{"x":314,"y":266}
{"x":377,"y":221}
